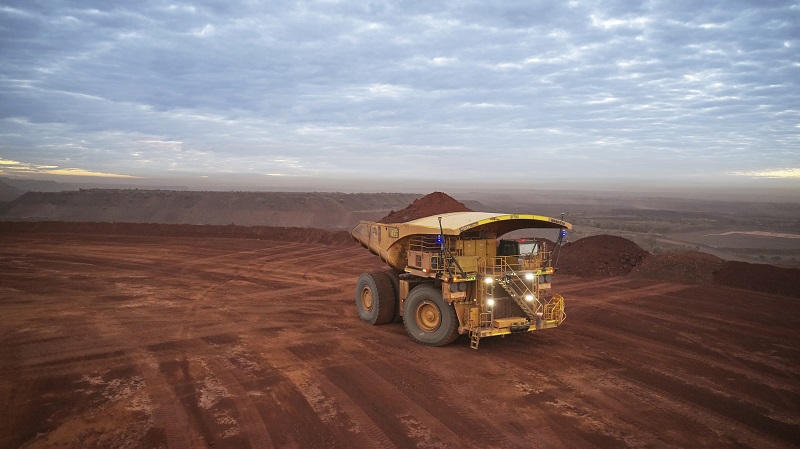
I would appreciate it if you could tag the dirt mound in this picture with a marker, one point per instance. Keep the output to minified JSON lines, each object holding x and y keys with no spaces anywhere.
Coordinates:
{"x":683,"y":268}
{"x":759,"y":277}
{"x":431,"y":204}
{"x":291,"y":234}
{"x":600,"y":256}
{"x":606,"y":255}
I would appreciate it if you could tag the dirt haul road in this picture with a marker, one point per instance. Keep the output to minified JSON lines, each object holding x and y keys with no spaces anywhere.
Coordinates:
{"x":112,"y":341}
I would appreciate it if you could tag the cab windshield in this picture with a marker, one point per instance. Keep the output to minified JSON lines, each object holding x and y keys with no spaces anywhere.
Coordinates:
{"x":526,"y":248}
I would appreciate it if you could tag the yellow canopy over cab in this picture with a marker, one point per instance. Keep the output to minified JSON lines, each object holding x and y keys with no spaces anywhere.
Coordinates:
{"x":455,"y":223}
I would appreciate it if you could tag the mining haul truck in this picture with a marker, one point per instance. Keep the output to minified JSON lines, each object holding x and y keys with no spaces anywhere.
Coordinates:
{"x":450,"y":275}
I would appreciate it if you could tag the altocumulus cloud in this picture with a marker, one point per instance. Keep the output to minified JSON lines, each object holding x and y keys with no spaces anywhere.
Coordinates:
{"x":656,"y":89}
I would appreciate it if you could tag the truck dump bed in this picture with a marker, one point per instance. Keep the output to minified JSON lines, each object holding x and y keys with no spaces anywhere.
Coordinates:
{"x":390,"y":241}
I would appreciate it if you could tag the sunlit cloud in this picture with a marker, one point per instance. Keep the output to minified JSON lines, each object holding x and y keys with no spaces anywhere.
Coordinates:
{"x":206,"y":31}
{"x":387,"y":90}
{"x":174,"y":145}
{"x":785,"y":173}
{"x":488,"y":105}
{"x":635,"y":22}
{"x":82,"y":172}
{"x":15,"y":167}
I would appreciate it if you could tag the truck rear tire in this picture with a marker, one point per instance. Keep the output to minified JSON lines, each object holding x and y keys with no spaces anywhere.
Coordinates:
{"x":429,"y":319}
{"x":375,"y":298}
{"x":394,"y":276}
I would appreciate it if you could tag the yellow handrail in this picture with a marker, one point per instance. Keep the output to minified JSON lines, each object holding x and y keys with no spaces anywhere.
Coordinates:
{"x":554,"y":309}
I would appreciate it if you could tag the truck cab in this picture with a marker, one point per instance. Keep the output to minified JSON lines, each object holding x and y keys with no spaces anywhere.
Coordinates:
{"x":523,"y":246}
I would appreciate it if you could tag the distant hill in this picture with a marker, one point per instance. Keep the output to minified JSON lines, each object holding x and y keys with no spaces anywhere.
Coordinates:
{"x":299,"y":209}
{"x":36,"y":185}
{"x":8,"y":192}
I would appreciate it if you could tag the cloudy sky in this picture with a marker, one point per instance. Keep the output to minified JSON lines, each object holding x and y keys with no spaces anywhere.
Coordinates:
{"x":511,"y":91}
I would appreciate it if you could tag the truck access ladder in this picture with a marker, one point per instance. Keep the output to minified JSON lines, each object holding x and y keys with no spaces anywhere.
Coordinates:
{"x":484,"y":321}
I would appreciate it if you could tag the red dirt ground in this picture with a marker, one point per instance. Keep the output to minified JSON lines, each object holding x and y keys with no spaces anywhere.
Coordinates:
{"x":184,"y":342}
{"x":430,"y":204}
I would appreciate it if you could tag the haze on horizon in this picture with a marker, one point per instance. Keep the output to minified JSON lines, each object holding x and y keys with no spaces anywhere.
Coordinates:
{"x":662,"y":94}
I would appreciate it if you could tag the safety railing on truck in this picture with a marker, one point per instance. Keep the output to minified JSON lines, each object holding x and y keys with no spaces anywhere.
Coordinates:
{"x":429,"y":243}
{"x":554,"y":309}
{"x":438,"y":247}
{"x":503,"y":264}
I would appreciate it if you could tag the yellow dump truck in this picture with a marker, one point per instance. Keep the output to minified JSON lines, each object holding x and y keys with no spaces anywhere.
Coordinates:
{"x":450,"y":275}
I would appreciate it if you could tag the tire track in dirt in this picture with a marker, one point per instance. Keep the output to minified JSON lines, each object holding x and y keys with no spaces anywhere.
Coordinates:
{"x":363,"y":387}
{"x":180,"y":376}
{"x":746,"y":424}
{"x":115,"y":333}
{"x":580,"y":284}
{"x":707,"y":428}
{"x":333,"y":253}
{"x":241,"y":259}
{"x":423,"y":393}
{"x":330,"y":369}
{"x":605,"y":298}
{"x":537,"y":389}
{"x":655,"y":346}
{"x":169,"y":414}
{"x":432,"y":394}
{"x":275,"y":382}
{"x":591,"y":330}
{"x":246,"y":272}
{"x":578,"y":394}
{"x":592,"y":384}
{"x":729,"y":379}
{"x":344,"y":420}
{"x":697,"y":338}
{"x":253,"y":427}
{"x":769,"y":314}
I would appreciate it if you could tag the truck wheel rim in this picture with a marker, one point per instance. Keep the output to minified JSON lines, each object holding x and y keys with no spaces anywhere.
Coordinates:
{"x":366,"y":298}
{"x":428,"y":316}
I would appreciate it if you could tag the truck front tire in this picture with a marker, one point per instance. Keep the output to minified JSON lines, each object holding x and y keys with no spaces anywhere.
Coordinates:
{"x":375,"y":298}
{"x":429,"y":319}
